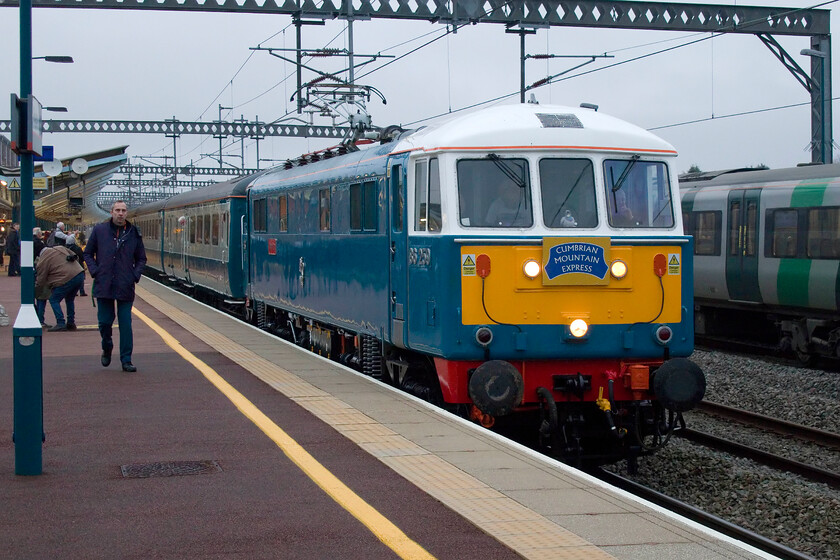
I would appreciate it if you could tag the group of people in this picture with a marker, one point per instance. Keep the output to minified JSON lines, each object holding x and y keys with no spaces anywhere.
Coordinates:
{"x":115,"y":258}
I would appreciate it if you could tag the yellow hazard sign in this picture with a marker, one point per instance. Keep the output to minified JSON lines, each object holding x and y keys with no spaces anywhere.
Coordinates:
{"x":467,"y":265}
{"x":674,"y":263}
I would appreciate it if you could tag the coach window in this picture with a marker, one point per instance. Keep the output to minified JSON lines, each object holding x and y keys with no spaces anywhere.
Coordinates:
{"x":260,"y":218}
{"x":284,"y":213}
{"x":494,"y":192}
{"x":824,"y":233}
{"x":199,"y":230}
{"x":706,"y":231}
{"x":192,"y":229}
{"x":638,"y":193}
{"x":567,"y":187}
{"x":784,"y":233}
{"x":214,"y":230}
{"x":324,"y":209}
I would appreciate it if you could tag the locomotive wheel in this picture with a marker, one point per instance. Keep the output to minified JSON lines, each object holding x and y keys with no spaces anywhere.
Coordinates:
{"x":549,"y":420}
{"x":805,"y":358}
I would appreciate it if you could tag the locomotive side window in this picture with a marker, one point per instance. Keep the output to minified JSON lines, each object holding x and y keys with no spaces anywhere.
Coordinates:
{"x":824,"y":233}
{"x":784,"y":233}
{"x":260,"y":217}
{"x":705,"y":227}
{"x":638,"y":193}
{"x":370,"y":206}
{"x":421,"y":169}
{"x":567,"y":187}
{"x":397,"y":198}
{"x":356,"y":207}
{"x":324,"y":209}
{"x":284,"y":213}
{"x":435,"y":219}
{"x":494,"y":192}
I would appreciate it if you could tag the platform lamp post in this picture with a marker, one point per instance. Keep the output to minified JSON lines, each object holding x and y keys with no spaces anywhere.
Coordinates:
{"x":28,"y":432}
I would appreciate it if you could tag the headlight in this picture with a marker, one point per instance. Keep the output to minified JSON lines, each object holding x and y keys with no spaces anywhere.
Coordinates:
{"x":578,"y":328}
{"x":618,"y":269}
{"x":484,"y":336}
{"x":531,"y":268}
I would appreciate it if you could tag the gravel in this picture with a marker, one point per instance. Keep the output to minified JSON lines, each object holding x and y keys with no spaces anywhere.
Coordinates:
{"x":786,"y":508}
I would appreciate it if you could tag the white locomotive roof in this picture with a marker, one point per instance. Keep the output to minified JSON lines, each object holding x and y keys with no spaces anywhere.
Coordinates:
{"x":530,"y":126}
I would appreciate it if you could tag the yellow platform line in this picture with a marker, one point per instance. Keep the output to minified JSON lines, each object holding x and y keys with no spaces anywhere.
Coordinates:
{"x":377,"y":523}
{"x":522,"y":529}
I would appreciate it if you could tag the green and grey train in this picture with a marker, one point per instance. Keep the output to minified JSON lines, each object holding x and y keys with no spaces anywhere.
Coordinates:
{"x":767,"y":255}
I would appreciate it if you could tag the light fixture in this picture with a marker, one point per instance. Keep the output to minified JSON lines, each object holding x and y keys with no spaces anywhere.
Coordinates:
{"x":58,"y":59}
{"x":578,"y":328}
{"x":531,"y":268}
{"x":55,"y":109}
{"x":618,"y":269}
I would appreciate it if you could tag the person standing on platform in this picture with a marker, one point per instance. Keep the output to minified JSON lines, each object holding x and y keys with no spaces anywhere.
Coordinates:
{"x":58,"y":235}
{"x":59,"y":269}
{"x":2,"y":247}
{"x":42,"y":293}
{"x":70,"y":243}
{"x":115,"y":258}
{"x":13,"y":250}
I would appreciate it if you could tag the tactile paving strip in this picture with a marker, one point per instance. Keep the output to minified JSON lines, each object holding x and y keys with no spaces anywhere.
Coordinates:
{"x":525,"y":531}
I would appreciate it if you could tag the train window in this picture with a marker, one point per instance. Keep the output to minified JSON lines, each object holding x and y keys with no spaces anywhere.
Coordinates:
{"x":260,"y":217}
{"x":192,"y":229}
{"x":824,"y":233}
{"x":324,"y":209}
{"x":706,"y":229}
{"x":734,"y":228}
{"x":435,"y":218}
{"x":284,"y":213}
{"x":199,"y":229}
{"x":356,"y":207}
{"x":567,"y":188}
{"x":783,"y":230}
{"x":207,"y":230}
{"x":494,"y":192}
{"x":214,"y":230}
{"x":397,"y":198}
{"x":421,"y":177}
{"x":752,"y":228}
{"x":638,"y":193}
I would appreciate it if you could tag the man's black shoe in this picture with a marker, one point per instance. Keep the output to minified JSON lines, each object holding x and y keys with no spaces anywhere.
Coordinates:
{"x":106,"y":358}
{"x":71,"y":326}
{"x":57,"y":328}
{"x":129,"y":367}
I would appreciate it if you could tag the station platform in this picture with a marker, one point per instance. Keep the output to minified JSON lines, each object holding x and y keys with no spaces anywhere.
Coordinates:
{"x":231,"y":443}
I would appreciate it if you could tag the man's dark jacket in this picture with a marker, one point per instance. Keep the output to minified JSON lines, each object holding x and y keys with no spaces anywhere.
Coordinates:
{"x":115,"y":258}
{"x":13,"y":242}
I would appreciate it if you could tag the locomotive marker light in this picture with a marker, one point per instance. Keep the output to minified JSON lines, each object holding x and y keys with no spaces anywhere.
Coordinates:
{"x":484,"y":336}
{"x":531,"y":268}
{"x":664,"y":334}
{"x":618,"y":269}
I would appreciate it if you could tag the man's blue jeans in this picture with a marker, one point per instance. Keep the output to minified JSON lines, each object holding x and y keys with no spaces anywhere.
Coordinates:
{"x":105,"y":316}
{"x":66,"y":292}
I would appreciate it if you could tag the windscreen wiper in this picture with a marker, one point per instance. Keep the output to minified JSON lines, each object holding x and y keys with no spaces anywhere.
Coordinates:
{"x":621,"y":178}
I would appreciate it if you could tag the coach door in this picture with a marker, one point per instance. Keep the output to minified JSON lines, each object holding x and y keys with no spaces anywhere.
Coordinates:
{"x":398,"y":240}
{"x":742,"y":245}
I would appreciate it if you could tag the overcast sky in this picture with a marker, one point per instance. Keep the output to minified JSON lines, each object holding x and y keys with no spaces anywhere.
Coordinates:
{"x":135,"y":65}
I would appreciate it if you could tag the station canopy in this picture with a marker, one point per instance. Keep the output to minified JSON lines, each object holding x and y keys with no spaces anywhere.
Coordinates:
{"x":70,"y":194}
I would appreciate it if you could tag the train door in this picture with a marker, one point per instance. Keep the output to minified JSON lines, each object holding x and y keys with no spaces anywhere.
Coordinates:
{"x":742,"y":245}
{"x":398,"y":239}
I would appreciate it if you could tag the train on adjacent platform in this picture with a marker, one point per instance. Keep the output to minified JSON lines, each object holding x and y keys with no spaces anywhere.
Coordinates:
{"x":518,"y":264}
{"x":767,"y":256}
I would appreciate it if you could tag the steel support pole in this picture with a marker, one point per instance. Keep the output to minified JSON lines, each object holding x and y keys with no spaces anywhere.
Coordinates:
{"x":822,"y":141}
{"x":28,"y":428}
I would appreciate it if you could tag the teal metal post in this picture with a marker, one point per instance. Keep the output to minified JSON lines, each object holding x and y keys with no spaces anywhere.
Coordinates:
{"x":27,"y":354}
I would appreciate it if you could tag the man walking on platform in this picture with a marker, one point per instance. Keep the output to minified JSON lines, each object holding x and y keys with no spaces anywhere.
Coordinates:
{"x":115,"y":258}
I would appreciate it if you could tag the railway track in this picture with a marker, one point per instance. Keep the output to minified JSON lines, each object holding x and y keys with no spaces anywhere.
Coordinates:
{"x":780,"y":427}
{"x":700,"y":516}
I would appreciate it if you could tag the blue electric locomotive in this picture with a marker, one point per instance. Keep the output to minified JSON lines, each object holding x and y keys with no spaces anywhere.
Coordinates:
{"x":522,"y":261}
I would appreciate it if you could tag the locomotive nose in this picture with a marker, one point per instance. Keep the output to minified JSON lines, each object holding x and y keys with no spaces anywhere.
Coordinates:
{"x":679,"y":384}
{"x":496,"y":387}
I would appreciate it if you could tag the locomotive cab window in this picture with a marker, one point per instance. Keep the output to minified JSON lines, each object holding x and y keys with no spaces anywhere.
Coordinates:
{"x":494,"y":192}
{"x":638,"y":194}
{"x":567,"y":187}
{"x":427,"y":211}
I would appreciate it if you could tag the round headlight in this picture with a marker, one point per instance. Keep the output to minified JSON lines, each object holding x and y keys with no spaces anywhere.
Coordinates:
{"x":618,"y":269}
{"x":578,"y":328}
{"x":664,"y":334}
{"x":531,"y":268}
